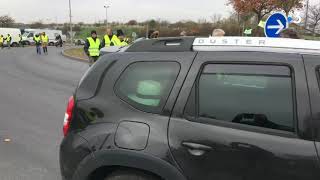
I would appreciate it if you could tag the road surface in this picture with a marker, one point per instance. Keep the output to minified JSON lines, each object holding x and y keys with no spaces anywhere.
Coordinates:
{"x":33,"y":96}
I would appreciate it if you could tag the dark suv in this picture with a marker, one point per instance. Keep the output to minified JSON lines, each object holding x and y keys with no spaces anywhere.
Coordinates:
{"x":222,"y":108}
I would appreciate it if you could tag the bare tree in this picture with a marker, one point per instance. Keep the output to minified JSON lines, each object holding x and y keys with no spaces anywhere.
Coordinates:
{"x":314,"y":17}
{"x":132,"y":22}
{"x":216,"y":18}
{"x":6,"y":21}
{"x":289,"y":5}
{"x":37,"y":25}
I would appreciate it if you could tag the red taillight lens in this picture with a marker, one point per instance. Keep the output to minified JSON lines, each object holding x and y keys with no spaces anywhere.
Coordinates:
{"x":68,"y":116}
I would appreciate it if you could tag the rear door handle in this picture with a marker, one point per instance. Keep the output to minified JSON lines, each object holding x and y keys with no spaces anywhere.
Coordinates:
{"x":196,"y":149}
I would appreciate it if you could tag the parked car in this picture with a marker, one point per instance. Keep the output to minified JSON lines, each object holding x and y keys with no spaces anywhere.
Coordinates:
{"x":28,"y":35}
{"x":79,"y":42}
{"x":14,"y":32}
{"x":228,"y":108}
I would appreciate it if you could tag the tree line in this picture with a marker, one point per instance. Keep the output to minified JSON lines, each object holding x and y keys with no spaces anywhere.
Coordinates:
{"x":247,"y":14}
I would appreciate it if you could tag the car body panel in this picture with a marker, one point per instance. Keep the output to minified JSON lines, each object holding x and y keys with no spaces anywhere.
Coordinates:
{"x":145,"y":142}
{"x":312,"y":65}
{"x":243,"y":153}
{"x":128,"y":159}
{"x":100,"y":111}
{"x":317,"y":144}
{"x":132,"y":135}
{"x":72,"y":151}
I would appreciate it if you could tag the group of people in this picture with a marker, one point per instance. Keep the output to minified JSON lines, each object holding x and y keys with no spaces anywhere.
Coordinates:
{"x":5,"y":41}
{"x":8,"y":40}
{"x":93,"y":44}
{"x":41,"y":40}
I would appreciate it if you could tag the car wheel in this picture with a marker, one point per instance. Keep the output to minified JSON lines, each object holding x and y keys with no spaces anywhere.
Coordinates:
{"x":51,"y":44}
{"x":14,"y":44}
{"x":79,"y":43}
{"x":130,"y":175}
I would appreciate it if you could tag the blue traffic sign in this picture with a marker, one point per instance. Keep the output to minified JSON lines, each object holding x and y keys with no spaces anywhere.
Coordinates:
{"x":276,"y":23}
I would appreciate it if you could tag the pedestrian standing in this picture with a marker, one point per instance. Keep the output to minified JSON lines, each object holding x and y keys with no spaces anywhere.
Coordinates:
{"x":9,"y":39}
{"x":218,"y":33}
{"x":183,"y":33}
{"x":44,"y":40}
{"x":20,"y":41}
{"x":92,"y":47}
{"x":122,"y":39}
{"x":109,"y":39}
{"x":1,"y":41}
{"x":59,"y":41}
{"x":37,"y":42}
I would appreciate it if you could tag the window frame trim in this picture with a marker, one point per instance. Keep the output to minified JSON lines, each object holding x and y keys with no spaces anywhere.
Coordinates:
{"x":160,"y":109}
{"x":245,"y":127}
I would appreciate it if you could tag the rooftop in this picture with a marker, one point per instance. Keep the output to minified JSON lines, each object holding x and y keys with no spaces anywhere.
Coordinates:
{"x":258,"y":42}
{"x":183,"y":44}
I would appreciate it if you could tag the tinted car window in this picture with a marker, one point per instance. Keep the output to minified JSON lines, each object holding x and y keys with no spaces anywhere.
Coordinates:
{"x":147,"y":85}
{"x":263,"y":100}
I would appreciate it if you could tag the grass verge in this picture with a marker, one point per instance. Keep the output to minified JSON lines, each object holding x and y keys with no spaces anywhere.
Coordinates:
{"x":77,"y":53}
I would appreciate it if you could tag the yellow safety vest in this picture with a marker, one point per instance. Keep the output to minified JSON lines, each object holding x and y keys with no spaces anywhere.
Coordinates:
{"x":116,"y":41}
{"x":44,"y":38}
{"x":1,"y":39}
{"x":94,"y":47}
{"x":8,"y":38}
{"x":123,"y":43}
{"x":108,"y":41}
{"x":37,"y":39}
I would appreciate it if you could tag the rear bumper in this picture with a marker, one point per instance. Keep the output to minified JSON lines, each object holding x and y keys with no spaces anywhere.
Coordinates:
{"x":73,"y":150}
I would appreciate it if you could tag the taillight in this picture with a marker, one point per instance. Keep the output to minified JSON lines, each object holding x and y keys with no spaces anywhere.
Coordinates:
{"x":68,"y":116}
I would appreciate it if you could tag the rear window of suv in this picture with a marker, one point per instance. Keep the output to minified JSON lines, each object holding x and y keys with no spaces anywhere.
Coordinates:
{"x":147,"y":85}
{"x":250,"y":95}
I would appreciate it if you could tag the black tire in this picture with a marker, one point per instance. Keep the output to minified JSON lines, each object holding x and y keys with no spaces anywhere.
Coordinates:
{"x":51,"y":44}
{"x":14,"y":44}
{"x":130,"y":175}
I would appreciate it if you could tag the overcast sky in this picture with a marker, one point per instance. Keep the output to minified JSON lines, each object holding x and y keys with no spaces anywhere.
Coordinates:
{"x":120,"y":10}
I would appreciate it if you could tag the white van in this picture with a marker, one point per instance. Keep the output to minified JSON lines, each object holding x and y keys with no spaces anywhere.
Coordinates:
{"x":14,"y":33}
{"x":28,"y":35}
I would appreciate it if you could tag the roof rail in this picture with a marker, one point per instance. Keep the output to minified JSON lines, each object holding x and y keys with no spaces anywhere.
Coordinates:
{"x":172,"y":44}
{"x":256,"y":42}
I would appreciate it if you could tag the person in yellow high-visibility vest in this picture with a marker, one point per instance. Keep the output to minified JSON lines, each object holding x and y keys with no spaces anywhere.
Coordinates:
{"x":1,"y":41}
{"x":120,"y":41}
{"x":92,"y":47}
{"x":123,"y":41}
{"x":45,"y":41}
{"x":37,"y":43}
{"x":8,"y":39}
{"x":109,"y":39}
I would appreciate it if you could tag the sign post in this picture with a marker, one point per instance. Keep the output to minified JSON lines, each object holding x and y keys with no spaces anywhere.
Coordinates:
{"x":275,"y":24}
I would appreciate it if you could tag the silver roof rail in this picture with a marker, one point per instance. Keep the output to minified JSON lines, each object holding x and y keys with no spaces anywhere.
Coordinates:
{"x":255,"y":42}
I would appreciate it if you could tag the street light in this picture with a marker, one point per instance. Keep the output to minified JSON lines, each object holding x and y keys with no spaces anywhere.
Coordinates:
{"x":106,"y":7}
{"x":70,"y":14}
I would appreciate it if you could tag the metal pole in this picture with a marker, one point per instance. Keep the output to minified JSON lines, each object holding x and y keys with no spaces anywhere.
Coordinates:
{"x":147,"y":33}
{"x":107,"y":16}
{"x":306,"y":18}
{"x":106,"y":21}
{"x":70,"y":13}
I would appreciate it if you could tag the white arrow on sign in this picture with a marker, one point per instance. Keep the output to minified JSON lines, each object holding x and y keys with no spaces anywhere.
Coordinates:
{"x":280,"y":27}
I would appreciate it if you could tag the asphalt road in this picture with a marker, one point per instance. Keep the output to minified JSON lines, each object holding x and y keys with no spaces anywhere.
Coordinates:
{"x":33,"y":94}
